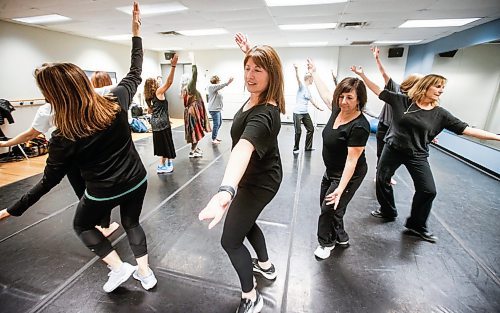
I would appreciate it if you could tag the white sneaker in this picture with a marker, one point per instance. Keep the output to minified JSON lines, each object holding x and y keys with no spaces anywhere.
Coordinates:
{"x":323,"y":252}
{"x":147,"y":282}
{"x":195,"y":154}
{"x":119,"y":277}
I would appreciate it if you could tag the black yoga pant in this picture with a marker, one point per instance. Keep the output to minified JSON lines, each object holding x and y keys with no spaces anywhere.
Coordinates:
{"x":90,"y":212}
{"x":78,"y":183}
{"x":330,"y":221}
{"x":240,"y":223}
{"x":308,"y":124}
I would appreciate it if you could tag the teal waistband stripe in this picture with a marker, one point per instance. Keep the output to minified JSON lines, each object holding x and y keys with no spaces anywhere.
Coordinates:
{"x":117,"y":196}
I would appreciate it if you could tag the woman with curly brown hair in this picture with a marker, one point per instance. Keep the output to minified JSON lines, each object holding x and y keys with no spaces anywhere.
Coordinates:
{"x":163,"y":143}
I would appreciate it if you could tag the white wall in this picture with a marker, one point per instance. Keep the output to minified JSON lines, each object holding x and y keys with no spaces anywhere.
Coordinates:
{"x":24,"y":48}
{"x":229,"y":62}
{"x":473,"y":81}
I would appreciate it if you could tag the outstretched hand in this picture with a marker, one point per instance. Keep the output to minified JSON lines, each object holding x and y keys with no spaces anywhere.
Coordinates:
{"x":242,"y":42}
{"x":333,"y":197}
{"x":375,"y":51}
{"x":215,"y":208}
{"x":358,"y":70}
{"x":136,"y":20}
{"x":311,"y":68}
{"x":173,"y":61}
{"x":4,"y":214}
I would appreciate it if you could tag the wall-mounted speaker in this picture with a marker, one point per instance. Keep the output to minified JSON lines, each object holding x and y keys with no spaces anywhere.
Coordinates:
{"x":396,"y":52}
{"x":169,"y":55}
{"x":448,"y":54}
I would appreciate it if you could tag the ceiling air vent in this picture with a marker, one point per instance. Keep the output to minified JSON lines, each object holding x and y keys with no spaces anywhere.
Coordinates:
{"x":362,"y":43}
{"x":171,"y":33}
{"x":352,"y":25}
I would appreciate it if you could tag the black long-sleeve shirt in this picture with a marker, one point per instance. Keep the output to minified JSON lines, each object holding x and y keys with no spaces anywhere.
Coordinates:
{"x":108,"y":160}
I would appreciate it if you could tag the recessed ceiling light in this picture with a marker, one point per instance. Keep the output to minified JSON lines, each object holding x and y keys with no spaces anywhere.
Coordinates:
{"x":43,"y":19}
{"x":203,"y":32}
{"x":158,"y":8}
{"x":438,"y":23}
{"x":116,"y":37}
{"x":286,"y":3}
{"x":233,"y":46}
{"x":307,"y":26}
{"x":394,"y":42}
{"x":308,"y":44}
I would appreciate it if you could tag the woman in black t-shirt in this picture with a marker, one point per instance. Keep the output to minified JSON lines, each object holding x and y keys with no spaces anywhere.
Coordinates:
{"x":163,"y":144}
{"x":417,"y":120}
{"x":344,"y":140}
{"x":254,"y":168}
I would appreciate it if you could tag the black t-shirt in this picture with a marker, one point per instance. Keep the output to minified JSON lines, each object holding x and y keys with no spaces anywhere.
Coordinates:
{"x":336,"y":141}
{"x":159,"y":118}
{"x":260,"y":125}
{"x":385,"y":116}
{"x":412,"y":129}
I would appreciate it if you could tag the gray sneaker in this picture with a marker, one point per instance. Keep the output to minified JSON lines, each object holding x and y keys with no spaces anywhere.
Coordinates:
{"x":147,"y":282}
{"x":116,"y":278}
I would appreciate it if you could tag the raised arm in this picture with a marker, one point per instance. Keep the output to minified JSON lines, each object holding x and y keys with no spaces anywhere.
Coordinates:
{"x":191,"y":87}
{"x":133,"y":78}
{"x":170,"y":79}
{"x":371,"y":85}
{"x":297,"y":74}
{"x":325,"y":94}
{"x":381,"y":69}
{"x":334,"y":77}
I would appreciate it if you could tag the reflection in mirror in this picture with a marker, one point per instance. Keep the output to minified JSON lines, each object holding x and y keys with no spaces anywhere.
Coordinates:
{"x":473,"y":87}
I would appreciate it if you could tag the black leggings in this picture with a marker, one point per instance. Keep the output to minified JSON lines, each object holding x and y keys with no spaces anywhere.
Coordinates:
{"x":90,"y":212}
{"x":240,"y":223}
{"x":381,"y":131}
{"x":78,"y":183}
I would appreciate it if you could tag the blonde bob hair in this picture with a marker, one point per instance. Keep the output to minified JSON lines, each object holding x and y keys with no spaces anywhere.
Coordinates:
{"x":79,"y":111}
{"x":417,"y":92}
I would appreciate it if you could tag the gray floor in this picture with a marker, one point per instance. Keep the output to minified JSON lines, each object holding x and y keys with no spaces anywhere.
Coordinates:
{"x":45,"y":268}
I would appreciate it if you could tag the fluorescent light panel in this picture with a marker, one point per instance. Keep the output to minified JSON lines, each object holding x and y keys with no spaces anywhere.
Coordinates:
{"x":308,"y":44}
{"x":203,"y":32}
{"x":307,"y":26}
{"x":286,"y":3}
{"x":393,"y":42}
{"x":158,"y":8}
{"x":437,"y":23}
{"x":43,"y":19}
{"x":116,"y":37}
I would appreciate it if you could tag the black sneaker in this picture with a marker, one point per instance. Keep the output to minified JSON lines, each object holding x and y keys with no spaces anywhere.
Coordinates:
{"x":270,"y":273}
{"x":247,"y":306}
{"x":424,"y":234}
{"x":379,"y":214}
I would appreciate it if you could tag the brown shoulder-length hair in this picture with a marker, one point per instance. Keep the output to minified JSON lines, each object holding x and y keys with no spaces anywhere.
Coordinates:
{"x":78,"y":110}
{"x":100,"y":79}
{"x":267,"y":58}
{"x":409,"y":82}
{"x":417,"y":92}
{"x":215,"y":79}
{"x":150,"y":87}
{"x":349,"y":84}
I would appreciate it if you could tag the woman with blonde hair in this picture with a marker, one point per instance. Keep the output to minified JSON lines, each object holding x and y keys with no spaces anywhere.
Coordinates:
{"x":417,"y":119}
{"x":93,"y":133}
{"x":163,"y":144}
{"x":254,"y":170}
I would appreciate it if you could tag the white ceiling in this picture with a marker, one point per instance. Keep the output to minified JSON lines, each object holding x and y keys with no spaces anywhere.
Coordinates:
{"x":96,"y":18}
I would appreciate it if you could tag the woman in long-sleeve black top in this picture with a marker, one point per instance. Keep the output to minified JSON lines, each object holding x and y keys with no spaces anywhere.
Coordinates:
{"x":93,"y":134}
{"x":416,"y":120}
